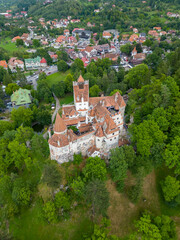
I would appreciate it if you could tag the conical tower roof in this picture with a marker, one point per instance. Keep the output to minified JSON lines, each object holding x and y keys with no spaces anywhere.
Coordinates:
{"x":80,"y":79}
{"x":59,"y":125}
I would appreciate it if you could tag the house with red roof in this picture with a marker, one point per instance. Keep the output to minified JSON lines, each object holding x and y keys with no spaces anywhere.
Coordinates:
{"x":3,"y":64}
{"x":43,"y":62}
{"x":15,"y":38}
{"x":106,"y":35}
{"x":61,"y":39}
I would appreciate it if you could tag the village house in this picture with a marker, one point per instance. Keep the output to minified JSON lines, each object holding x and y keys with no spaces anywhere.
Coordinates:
{"x":96,"y":10}
{"x":153,"y":33}
{"x":61,"y":39}
{"x":35,"y":63}
{"x":99,"y":121}
{"x":106,"y":35}
{"x":53,"y":56}
{"x":15,"y":38}
{"x":21,"y":97}
{"x":83,"y":34}
{"x":157,"y":28}
{"x":3,"y":64}
{"x":133,"y":38}
{"x":66,"y":32}
{"x":135,"y":30}
{"x":15,"y":63}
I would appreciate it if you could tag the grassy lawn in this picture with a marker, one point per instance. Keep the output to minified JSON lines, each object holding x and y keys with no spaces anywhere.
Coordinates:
{"x":56,"y":77}
{"x":8,"y":45}
{"x":30,"y":226}
{"x":67,"y":99}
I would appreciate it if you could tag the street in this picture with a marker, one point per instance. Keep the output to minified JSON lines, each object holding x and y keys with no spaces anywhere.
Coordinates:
{"x":33,"y":79}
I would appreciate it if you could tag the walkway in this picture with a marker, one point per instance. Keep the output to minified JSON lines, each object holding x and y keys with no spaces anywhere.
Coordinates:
{"x":54,"y":115}
{"x":57,"y":107}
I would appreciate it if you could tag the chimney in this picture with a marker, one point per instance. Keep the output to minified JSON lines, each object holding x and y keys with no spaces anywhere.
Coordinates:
{"x":116,"y":97}
{"x":49,"y":132}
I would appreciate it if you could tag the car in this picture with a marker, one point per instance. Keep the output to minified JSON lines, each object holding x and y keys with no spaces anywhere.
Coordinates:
{"x":2,"y":117}
{"x":49,"y":72}
{"x":53,"y":106}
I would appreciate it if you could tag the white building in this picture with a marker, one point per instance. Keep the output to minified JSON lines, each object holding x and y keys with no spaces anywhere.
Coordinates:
{"x":99,"y":121}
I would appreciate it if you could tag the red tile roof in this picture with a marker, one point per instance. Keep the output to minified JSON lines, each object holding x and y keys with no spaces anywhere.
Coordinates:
{"x":59,"y":126}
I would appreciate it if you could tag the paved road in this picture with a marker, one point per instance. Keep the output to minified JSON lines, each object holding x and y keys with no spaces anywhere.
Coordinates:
{"x":33,"y":79}
{"x":53,"y":116}
{"x":57,"y":108}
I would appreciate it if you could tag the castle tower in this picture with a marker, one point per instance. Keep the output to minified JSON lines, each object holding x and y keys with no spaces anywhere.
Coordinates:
{"x":59,"y":126}
{"x":81,"y":96}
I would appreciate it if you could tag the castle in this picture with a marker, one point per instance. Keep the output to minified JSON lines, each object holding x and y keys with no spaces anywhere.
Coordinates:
{"x":99,"y":121}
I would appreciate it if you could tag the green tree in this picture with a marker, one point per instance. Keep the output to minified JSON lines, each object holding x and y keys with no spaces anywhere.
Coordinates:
{"x":7,"y":78}
{"x":147,"y":43}
{"x":139,"y":48}
{"x":2,"y":73}
{"x":51,"y":175}
{"x":138,"y":76}
{"x":50,"y":212}
{"x":171,"y":188}
{"x":21,"y":193}
{"x":22,"y":116}
{"x":11,"y":87}
{"x":92,"y":68}
{"x":97,"y":195}
{"x":18,"y":155}
{"x":95,"y":169}
{"x":172,"y":155}
{"x":43,"y":91}
{"x":21,"y":77}
{"x":145,"y":136}
{"x":4,"y":126}
{"x":59,"y":89}
{"x":146,"y":229}
{"x":118,"y":167}
{"x":115,"y":91}
{"x":42,"y":76}
{"x":39,"y":146}
{"x":94,"y":91}
{"x":77,"y":157}
{"x":69,"y":83}
{"x":62,"y":201}
{"x":44,"y":117}
{"x":62,"y":55}
{"x":127,"y":49}
{"x":24,"y":134}
{"x":78,"y":186}
{"x":101,"y":232}
{"x":77,"y":66}
{"x":19,"y":42}
{"x":153,"y":61}
{"x":36,"y":43}
{"x":159,"y":227}
{"x":62,"y":66}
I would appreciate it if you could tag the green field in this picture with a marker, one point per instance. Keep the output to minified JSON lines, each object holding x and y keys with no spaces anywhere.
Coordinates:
{"x":56,"y":77}
{"x":31,"y":226}
{"x":67,"y":99}
{"x":8,"y":45}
